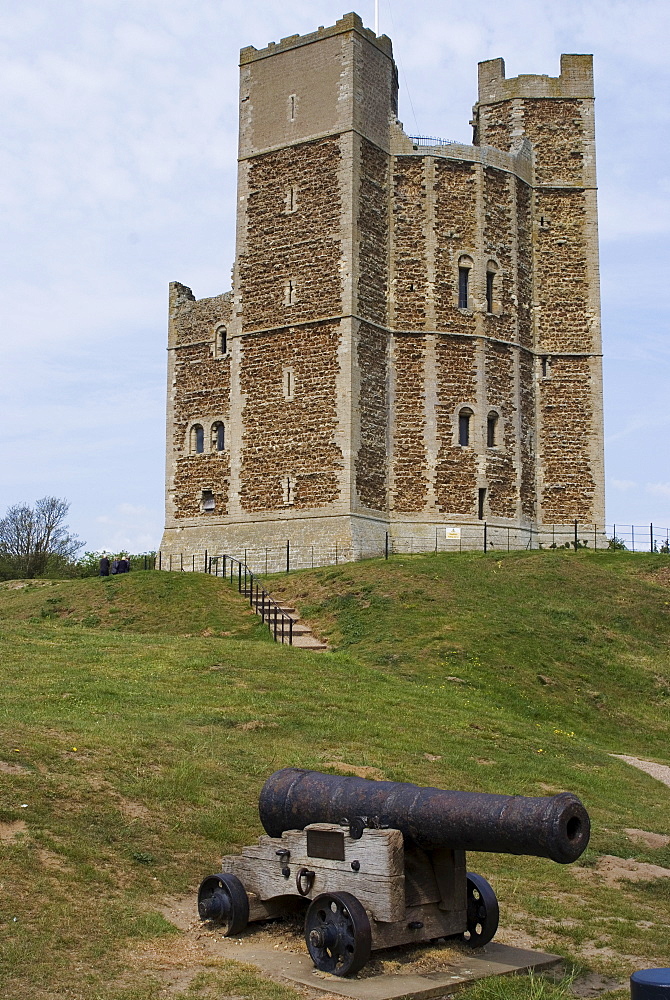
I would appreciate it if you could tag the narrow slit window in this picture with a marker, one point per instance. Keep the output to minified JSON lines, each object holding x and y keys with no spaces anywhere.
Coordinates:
{"x":492,"y":430}
{"x":291,"y":198}
{"x":290,"y":293}
{"x":222,"y":340}
{"x":464,"y":428}
{"x":291,"y":107}
{"x":197,"y":439}
{"x":463,"y":287}
{"x":218,"y":436}
{"x":490,"y":277}
{"x":288,"y":490}
{"x":546,"y":366}
{"x":480,"y":504}
{"x":289,"y":383}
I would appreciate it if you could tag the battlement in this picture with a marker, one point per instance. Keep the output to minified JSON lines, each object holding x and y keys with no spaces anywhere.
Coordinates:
{"x":576,"y":80}
{"x":347,"y":23}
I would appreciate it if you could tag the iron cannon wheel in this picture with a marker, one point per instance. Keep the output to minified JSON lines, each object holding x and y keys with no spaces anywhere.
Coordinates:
{"x":338,"y":933}
{"x":481,"y":911}
{"x":223,"y":898}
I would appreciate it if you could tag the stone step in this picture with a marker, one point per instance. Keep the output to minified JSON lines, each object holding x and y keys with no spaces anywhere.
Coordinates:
{"x":309,"y":642}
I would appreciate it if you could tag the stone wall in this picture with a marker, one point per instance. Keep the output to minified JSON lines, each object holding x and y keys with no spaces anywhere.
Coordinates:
{"x":290,"y":438}
{"x":456,"y":467}
{"x":298,"y":242}
{"x":410,"y":465}
{"x":372,"y":456}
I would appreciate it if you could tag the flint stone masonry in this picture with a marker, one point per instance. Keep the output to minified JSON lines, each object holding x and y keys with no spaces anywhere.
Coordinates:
{"x":347,"y":356}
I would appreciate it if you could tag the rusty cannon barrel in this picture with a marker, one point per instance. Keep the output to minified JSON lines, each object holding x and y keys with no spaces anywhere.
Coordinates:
{"x":555,"y":827}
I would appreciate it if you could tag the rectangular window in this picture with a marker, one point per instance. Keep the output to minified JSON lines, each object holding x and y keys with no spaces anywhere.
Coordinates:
{"x":289,"y":383}
{"x":492,"y":431}
{"x":463,"y":281}
{"x":489,"y":291}
{"x":207,"y":500}
{"x":480,"y":510}
{"x":289,"y":292}
{"x":291,"y":198}
{"x":291,"y":108}
{"x":464,"y":429}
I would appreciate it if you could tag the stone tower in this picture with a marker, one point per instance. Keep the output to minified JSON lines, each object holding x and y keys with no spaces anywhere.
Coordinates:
{"x":412,"y":339}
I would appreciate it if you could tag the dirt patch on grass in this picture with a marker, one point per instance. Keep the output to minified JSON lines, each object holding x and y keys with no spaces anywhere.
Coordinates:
{"x":7,"y":768}
{"x":647,"y":838}
{"x":9,"y":832}
{"x":612,"y":870}
{"x":594,"y":984}
{"x":359,"y":770}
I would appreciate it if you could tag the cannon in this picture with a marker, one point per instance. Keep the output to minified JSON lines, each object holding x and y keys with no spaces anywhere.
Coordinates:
{"x":381,"y":863}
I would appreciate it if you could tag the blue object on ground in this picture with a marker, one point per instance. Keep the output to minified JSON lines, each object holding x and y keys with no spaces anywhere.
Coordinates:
{"x":650,"y":984}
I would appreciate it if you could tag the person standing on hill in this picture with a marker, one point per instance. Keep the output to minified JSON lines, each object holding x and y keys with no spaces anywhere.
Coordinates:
{"x":104,"y":566}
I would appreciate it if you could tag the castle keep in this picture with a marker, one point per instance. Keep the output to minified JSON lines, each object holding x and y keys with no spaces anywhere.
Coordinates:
{"x":412,"y":339}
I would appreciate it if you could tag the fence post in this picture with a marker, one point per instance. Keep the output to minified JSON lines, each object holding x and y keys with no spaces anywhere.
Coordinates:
{"x":508,"y":537}
{"x":312,"y":562}
{"x":614,"y":537}
{"x":223,"y":568}
{"x":595,"y":537}
{"x":288,"y":556}
{"x":651,"y":537}
{"x":386,"y":546}
{"x":239,"y":577}
{"x":336,"y":552}
{"x":160,"y":559}
{"x":170,"y":562}
{"x":484,"y":536}
{"x":632,"y":537}
{"x":435,"y":539}
{"x":205,"y":560}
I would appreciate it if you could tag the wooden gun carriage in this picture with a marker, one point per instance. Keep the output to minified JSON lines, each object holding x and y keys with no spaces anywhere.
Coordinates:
{"x":381,"y":863}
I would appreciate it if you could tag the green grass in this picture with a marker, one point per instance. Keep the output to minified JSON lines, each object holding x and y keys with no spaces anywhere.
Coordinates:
{"x":138,"y":749}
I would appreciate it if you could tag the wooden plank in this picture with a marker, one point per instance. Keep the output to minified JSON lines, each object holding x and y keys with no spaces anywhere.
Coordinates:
{"x":378,"y":852}
{"x":383,"y":896}
{"x":435,"y":923}
{"x":451,"y":878}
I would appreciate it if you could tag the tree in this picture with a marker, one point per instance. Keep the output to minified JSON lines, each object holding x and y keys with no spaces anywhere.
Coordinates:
{"x":33,"y":538}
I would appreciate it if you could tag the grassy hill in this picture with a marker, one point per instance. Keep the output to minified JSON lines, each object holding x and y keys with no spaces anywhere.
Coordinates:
{"x":141,"y":715}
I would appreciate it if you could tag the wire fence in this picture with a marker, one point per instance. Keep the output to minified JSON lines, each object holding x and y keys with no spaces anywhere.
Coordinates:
{"x":481,"y":536}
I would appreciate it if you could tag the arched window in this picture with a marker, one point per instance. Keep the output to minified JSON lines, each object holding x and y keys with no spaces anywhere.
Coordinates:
{"x":491,"y":286}
{"x":465,"y":265}
{"x":218,"y":436}
{"x":197,"y":439}
{"x":221,"y":340}
{"x":464,"y":420}
{"x":492,"y":429}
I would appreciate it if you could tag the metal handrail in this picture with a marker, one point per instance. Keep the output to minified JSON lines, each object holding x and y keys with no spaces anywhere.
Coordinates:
{"x":278,"y":621}
{"x":431,"y":140}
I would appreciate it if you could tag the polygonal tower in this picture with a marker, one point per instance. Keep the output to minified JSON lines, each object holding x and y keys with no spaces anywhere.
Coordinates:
{"x":411,"y":343}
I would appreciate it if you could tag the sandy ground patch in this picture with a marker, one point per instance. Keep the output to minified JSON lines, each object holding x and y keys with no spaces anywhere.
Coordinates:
{"x":612,"y":870}
{"x":647,"y":838}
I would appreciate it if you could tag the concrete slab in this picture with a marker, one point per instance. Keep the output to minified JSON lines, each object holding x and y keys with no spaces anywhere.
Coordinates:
{"x":493,"y":960}
{"x":278,"y":951}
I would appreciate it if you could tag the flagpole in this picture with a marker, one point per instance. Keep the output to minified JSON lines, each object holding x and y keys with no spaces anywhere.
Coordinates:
{"x":376,"y":17}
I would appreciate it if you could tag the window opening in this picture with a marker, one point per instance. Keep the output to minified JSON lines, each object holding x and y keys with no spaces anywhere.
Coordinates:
{"x":291,"y":107}
{"x":464,"y":427}
{"x":463,"y":282}
{"x":218,"y":436}
{"x":480,"y":509}
{"x":546,"y":366}
{"x":207,"y":502}
{"x":197,"y":439}
{"x":289,"y":298}
{"x":490,"y":276}
{"x":222,"y":340}
{"x":492,"y":430}
{"x":288,"y":490}
{"x":289,"y":383}
{"x":292,"y":198}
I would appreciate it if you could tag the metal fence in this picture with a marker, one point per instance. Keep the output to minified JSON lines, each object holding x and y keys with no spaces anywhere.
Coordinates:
{"x":262,"y":560}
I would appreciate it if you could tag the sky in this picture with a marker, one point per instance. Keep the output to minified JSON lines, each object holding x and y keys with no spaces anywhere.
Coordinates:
{"x":118,"y":173}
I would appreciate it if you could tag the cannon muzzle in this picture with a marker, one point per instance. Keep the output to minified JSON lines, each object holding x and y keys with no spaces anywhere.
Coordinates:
{"x":555,"y":827}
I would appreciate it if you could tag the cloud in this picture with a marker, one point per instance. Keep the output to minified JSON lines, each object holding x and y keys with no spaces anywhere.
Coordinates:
{"x":623,"y":484}
{"x":658,"y":489}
